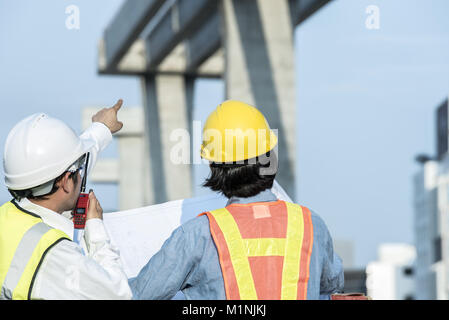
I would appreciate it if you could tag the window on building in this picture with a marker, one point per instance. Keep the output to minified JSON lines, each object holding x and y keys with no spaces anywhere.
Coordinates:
{"x":442,"y":127}
{"x":437,"y":249}
{"x":408,"y":271}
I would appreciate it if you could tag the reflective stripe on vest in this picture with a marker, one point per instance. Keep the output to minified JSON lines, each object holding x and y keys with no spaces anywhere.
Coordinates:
{"x":24,"y":241}
{"x":272,"y":266}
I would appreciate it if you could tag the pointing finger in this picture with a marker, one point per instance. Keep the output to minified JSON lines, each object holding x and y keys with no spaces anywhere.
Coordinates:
{"x":118,"y":105}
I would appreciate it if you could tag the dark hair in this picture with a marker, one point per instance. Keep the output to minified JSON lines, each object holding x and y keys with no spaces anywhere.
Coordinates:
{"x":243,"y":179}
{"x":20,"y":194}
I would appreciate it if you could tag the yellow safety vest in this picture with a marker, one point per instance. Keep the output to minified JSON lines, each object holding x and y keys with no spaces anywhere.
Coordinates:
{"x":24,"y":241}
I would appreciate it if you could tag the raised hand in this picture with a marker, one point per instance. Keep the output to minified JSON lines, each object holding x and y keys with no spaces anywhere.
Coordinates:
{"x":108,"y":116}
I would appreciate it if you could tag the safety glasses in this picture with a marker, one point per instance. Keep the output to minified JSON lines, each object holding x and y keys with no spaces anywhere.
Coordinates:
{"x":82,"y":170}
{"x":80,"y":166}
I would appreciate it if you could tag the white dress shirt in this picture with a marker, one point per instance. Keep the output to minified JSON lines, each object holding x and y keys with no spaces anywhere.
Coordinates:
{"x":65,"y":272}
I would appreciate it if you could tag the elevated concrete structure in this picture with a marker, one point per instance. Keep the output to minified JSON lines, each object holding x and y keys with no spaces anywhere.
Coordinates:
{"x":260,"y":70}
{"x":248,"y":43}
{"x":125,"y":29}
{"x":131,"y":170}
{"x":163,"y":93}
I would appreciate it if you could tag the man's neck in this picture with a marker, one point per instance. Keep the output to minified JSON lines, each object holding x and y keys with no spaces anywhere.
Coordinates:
{"x":49,"y":204}
{"x":265,"y":195}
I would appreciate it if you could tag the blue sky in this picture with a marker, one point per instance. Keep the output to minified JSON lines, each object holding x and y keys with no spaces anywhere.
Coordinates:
{"x":366,"y":100}
{"x":366,"y":107}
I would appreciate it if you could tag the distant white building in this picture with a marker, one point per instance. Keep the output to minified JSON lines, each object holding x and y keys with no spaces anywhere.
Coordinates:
{"x":431,"y":208}
{"x":426,"y":233}
{"x":392,"y":276}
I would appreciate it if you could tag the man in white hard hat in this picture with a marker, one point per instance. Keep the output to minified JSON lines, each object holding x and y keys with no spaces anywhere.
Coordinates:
{"x":44,"y":163}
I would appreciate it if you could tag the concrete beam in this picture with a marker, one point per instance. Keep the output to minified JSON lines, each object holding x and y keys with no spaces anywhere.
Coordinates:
{"x":180,"y":22}
{"x":196,"y":23}
{"x":134,"y":63}
{"x":214,"y":65}
{"x":260,"y":70}
{"x":175,"y":62}
{"x":300,"y":10}
{"x":135,"y":59}
{"x":126,"y":27}
{"x":204,"y":43}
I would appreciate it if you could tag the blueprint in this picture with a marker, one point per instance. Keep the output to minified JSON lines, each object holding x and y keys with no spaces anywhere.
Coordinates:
{"x":139,"y":233}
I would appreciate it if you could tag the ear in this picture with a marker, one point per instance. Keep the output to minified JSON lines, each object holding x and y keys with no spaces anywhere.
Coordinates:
{"x":64,"y":184}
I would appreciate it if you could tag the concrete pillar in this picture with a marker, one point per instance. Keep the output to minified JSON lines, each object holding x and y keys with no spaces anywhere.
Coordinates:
{"x":260,"y":70}
{"x":129,"y":170}
{"x":166,"y":116}
{"x":131,"y":178}
{"x":132,"y":175}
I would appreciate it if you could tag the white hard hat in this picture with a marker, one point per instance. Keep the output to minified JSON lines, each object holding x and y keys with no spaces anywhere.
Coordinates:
{"x":39,"y":149}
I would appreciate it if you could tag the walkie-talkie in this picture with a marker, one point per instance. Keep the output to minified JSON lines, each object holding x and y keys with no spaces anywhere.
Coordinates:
{"x":79,"y":213}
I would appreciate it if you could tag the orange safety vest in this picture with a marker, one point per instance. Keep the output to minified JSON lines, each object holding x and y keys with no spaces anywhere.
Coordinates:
{"x":264,"y":249}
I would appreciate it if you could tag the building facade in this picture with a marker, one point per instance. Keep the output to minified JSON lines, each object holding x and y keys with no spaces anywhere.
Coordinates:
{"x":392,"y":277}
{"x":431,"y":208}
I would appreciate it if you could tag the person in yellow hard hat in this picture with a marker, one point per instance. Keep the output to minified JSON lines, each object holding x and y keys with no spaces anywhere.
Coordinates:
{"x":257,"y":247}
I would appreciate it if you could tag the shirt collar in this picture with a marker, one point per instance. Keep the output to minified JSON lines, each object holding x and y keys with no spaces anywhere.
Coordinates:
{"x":49,"y":217}
{"x":263,"y":196}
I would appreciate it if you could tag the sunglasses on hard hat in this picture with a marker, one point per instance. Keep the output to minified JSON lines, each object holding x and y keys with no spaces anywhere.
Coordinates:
{"x":79,"y":166}
{"x":81,"y":170}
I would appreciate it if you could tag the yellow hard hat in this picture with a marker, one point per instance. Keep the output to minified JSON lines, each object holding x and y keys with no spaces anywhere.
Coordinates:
{"x":236,"y":131}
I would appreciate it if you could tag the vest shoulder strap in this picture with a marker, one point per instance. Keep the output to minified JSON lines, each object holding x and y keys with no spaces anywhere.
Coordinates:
{"x":36,"y":240}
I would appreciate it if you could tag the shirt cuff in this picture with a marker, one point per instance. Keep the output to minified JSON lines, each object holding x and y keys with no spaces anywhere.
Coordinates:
{"x":94,"y":231}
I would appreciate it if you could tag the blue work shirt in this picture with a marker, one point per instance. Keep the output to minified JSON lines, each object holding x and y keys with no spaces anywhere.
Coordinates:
{"x":188,"y":262}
